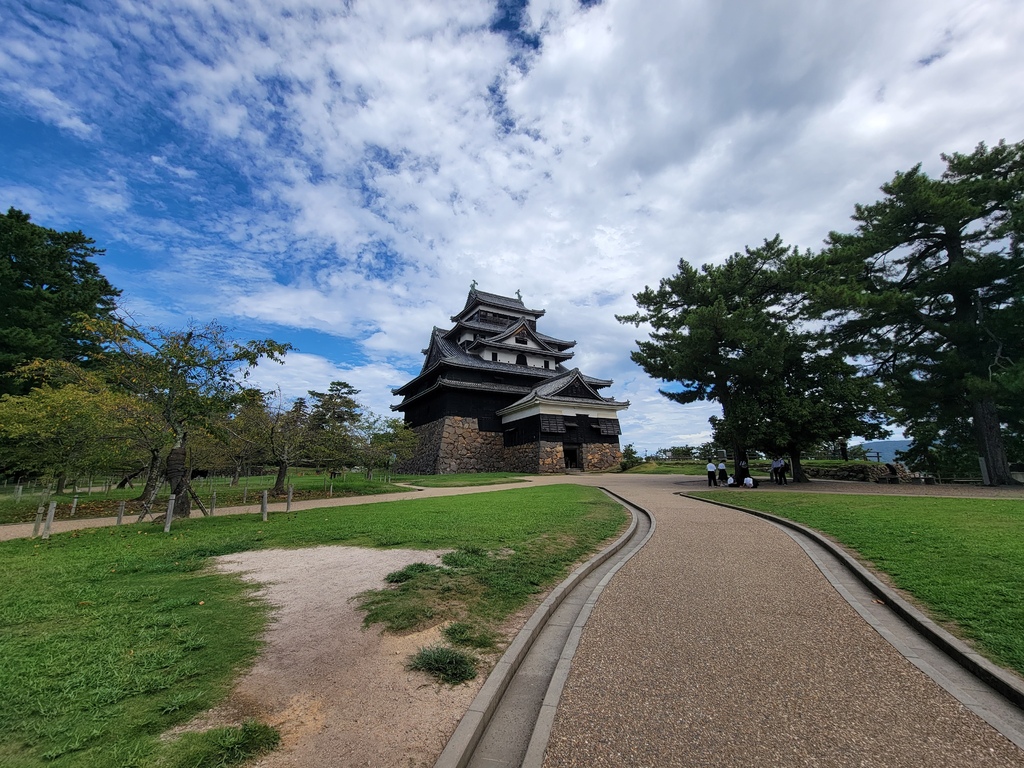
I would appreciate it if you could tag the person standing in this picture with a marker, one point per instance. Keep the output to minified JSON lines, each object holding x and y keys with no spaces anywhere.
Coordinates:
{"x":776,"y":466}
{"x":711,"y":474}
{"x":781,"y":472}
{"x":723,"y":473}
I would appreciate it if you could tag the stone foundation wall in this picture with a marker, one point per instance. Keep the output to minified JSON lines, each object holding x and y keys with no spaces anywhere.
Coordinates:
{"x":521,"y":458}
{"x":551,"y":459}
{"x":864,"y":472}
{"x":600,"y":456}
{"x":455,"y":444}
{"x":424,"y":462}
{"x":464,"y":448}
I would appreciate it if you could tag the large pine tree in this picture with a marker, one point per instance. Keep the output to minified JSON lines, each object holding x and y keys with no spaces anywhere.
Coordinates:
{"x":48,"y":283}
{"x":930,"y":289}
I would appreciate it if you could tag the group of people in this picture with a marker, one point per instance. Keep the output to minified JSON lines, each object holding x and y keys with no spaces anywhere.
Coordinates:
{"x":779,"y":470}
{"x":719,"y":475}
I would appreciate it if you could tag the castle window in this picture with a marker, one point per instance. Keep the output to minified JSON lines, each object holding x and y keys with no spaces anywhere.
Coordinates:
{"x":520,"y":359}
{"x":521,"y":338}
{"x":547,"y":364}
{"x":494,"y":357}
{"x":552,"y":423}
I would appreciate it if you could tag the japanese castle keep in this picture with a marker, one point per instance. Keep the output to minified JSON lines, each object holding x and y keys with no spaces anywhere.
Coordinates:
{"x":494,"y":395}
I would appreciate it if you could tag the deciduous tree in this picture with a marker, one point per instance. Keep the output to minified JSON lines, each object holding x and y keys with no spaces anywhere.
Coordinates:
{"x":191,"y":377}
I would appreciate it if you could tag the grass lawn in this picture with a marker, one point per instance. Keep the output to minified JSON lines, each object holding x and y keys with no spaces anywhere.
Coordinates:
{"x":248,"y":491}
{"x":962,"y":558}
{"x":698,"y":468}
{"x":109,"y":636}
{"x":460,"y":480}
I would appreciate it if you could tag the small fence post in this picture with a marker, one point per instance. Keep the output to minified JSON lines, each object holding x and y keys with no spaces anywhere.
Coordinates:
{"x":263,"y":506}
{"x":39,"y":520}
{"x":213,"y":503}
{"x":49,"y":519}
{"x":170,"y":514}
{"x":120,"y":512}
{"x":17,"y":492}
{"x":288,"y":506}
{"x":74,"y":506}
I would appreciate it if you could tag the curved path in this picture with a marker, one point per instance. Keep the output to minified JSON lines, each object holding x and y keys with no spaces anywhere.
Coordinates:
{"x":509,"y":720}
{"x":721,"y":643}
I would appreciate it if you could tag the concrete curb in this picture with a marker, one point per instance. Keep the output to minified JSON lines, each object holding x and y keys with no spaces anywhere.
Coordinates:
{"x":1005,"y":682}
{"x":471,"y":727}
{"x":534,"y":757}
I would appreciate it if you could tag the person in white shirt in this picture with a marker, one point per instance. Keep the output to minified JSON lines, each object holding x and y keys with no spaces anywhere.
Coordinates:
{"x":711,"y":474}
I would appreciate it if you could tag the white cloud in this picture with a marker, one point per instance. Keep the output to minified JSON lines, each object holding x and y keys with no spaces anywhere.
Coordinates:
{"x":353,"y":166}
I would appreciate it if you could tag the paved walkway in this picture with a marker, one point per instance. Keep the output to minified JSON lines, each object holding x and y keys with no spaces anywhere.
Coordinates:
{"x":721,"y":644}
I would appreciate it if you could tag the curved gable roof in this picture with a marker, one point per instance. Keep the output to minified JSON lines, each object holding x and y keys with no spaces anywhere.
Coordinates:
{"x":475,"y":298}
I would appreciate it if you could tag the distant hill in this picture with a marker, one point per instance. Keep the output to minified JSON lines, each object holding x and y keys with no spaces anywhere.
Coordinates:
{"x":886,"y":448}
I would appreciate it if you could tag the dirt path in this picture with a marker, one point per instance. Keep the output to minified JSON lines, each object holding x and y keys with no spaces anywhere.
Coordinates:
{"x":339,"y":695}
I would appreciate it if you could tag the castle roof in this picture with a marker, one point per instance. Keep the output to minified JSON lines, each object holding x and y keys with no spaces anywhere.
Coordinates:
{"x":476,"y":298}
{"x":568,"y":387}
{"x":443,"y":354}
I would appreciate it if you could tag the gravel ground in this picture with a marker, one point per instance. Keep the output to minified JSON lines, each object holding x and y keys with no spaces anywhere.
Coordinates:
{"x":718,"y":644}
{"x":721,"y":644}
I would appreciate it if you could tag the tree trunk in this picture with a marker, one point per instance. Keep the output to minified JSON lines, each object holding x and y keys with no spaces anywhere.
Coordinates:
{"x":989,"y":437}
{"x":62,"y":481}
{"x":126,"y":481}
{"x":795,"y":465}
{"x":741,"y":464}
{"x":236,"y":474}
{"x":282,"y":476}
{"x":152,"y":475}
{"x":177,"y":476}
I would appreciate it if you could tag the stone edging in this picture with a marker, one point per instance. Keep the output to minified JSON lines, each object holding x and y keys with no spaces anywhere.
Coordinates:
{"x":534,"y":757}
{"x":1005,"y":682}
{"x":471,"y":727}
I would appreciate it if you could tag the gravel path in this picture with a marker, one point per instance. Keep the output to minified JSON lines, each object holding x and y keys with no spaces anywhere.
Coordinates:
{"x":721,"y":644}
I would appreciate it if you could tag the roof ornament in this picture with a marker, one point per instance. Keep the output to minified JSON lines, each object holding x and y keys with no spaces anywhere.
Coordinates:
{"x":519,"y":294}
{"x":472,"y":286}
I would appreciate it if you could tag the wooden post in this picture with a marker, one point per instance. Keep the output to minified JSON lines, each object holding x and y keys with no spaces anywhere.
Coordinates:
{"x":120,"y":512}
{"x":17,"y":492}
{"x":213,"y":503}
{"x":39,"y":520}
{"x":74,"y":506}
{"x":288,"y":506}
{"x":263,"y":506}
{"x":170,"y":514}
{"x":49,"y":519}
{"x":330,"y":493}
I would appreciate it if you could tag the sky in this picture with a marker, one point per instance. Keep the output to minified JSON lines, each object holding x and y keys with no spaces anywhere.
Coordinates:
{"x":335,"y":174}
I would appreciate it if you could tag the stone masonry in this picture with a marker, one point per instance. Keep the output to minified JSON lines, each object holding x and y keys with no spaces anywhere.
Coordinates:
{"x":600,"y":456}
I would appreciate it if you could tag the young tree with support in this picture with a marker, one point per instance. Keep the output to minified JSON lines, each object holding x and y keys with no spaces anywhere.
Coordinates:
{"x":190,"y":377}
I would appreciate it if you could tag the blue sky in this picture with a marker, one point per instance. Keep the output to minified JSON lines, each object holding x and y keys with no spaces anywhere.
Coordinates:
{"x":335,"y":174}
